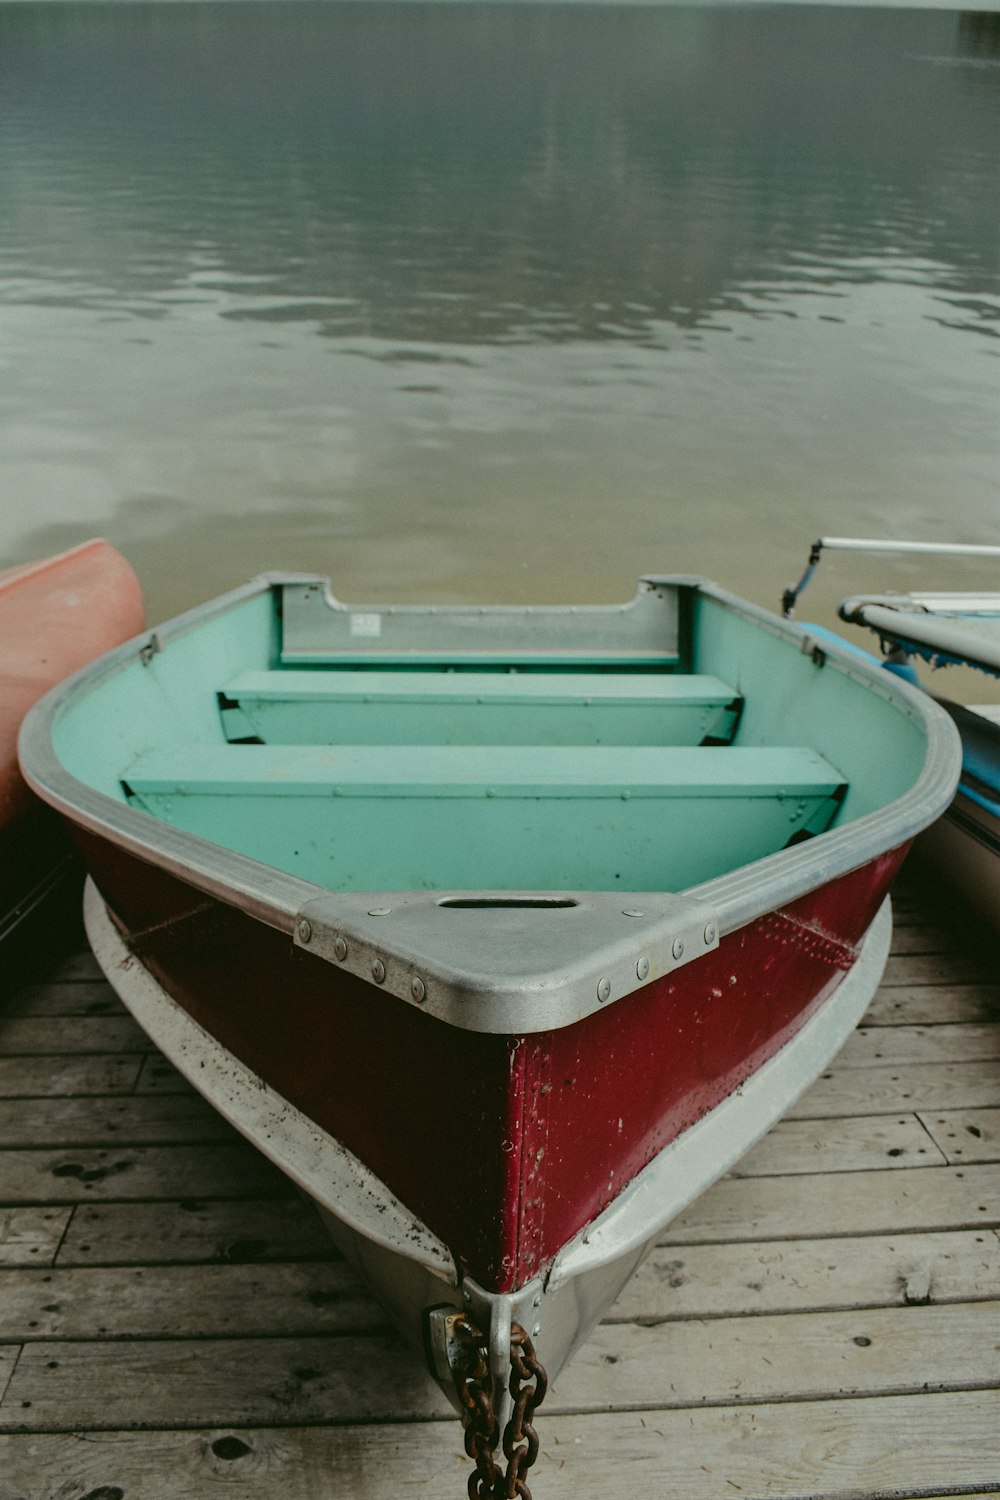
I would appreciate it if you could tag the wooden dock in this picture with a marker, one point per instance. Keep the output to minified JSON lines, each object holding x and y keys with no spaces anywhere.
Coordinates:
{"x":822,"y":1323}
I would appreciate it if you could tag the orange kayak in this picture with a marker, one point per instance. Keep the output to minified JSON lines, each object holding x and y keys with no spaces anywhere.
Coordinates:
{"x":55,"y":616}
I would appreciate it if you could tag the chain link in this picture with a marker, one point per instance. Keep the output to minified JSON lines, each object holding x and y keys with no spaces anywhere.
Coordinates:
{"x":474,"y":1387}
{"x":520,"y":1440}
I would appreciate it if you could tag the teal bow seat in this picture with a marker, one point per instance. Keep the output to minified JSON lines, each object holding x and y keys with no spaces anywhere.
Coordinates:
{"x":500,"y":816}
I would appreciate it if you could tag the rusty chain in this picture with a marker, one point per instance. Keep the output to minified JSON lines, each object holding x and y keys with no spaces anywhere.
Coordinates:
{"x":474,"y":1387}
{"x":475,"y":1393}
{"x":520,"y":1440}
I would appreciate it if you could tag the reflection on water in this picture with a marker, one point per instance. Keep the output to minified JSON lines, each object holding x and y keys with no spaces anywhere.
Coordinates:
{"x":493,"y":300}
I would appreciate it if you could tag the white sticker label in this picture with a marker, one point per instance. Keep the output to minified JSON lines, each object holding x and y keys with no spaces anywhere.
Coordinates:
{"x":366,"y":624}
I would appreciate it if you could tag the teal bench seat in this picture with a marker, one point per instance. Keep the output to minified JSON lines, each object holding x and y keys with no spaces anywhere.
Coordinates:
{"x":497,"y":817}
{"x":477,"y":708}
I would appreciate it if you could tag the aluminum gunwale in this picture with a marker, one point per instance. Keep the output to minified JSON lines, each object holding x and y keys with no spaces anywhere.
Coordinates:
{"x":277,"y":898}
{"x":737,"y":896}
{"x":269,"y":895}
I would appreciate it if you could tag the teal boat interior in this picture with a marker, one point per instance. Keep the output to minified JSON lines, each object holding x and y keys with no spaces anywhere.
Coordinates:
{"x":650,"y":746}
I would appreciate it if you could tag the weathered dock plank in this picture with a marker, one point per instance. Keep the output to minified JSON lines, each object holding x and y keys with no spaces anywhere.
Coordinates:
{"x":880,"y":1046}
{"x":191,"y":1230}
{"x":84,"y":998}
{"x":894,"y":1447}
{"x":81,"y":966}
{"x":31,"y":1236}
{"x":967,"y":1135}
{"x":67,"y":1384}
{"x":795,"y":1356}
{"x":771,"y":1276}
{"x":20,"y":1036}
{"x":886,"y":1089}
{"x":207,"y":1301}
{"x":58,"y":1386}
{"x":853,"y":1145}
{"x":851,"y":1203}
{"x":151,"y":1121}
{"x":30,"y":1077}
{"x":931,"y":1004}
{"x":8,"y":1359}
{"x":912,"y":933}
{"x":965,"y":967}
{"x":72,"y":1175}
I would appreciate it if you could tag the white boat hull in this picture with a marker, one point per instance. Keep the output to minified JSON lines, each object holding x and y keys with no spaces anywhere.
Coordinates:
{"x":963,"y":847}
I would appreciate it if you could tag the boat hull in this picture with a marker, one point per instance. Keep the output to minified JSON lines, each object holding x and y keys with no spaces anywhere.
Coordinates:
{"x":41,"y":876}
{"x":963,"y":847}
{"x":523,"y":1138}
{"x":410,"y":1268}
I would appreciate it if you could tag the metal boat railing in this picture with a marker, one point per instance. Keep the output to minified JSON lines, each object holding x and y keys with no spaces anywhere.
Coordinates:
{"x":790,"y":597}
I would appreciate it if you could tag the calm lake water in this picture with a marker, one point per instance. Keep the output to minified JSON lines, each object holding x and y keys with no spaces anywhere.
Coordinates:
{"x":498,"y":302}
